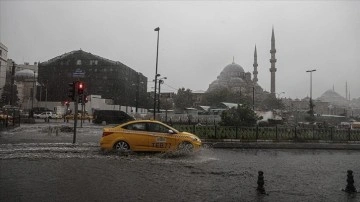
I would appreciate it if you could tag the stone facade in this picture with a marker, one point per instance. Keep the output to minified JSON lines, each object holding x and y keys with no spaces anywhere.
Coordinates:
{"x":110,"y":79}
{"x":3,"y":65}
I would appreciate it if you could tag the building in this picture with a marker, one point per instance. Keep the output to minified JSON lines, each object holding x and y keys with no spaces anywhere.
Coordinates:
{"x":104,"y":77}
{"x":3,"y":66}
{"x":236,"y":80}
{"x":197,"y":97}
{"x":273,"y":61}
{"x":26,"y":84}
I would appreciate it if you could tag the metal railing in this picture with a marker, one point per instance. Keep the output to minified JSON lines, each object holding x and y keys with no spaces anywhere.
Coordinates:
{"x":276,"y":133}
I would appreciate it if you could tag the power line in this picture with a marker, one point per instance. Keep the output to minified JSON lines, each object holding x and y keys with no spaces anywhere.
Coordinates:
{"x":170,"y":86}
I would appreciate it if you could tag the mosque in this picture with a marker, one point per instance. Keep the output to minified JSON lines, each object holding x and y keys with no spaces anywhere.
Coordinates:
{"x":236,"y":80}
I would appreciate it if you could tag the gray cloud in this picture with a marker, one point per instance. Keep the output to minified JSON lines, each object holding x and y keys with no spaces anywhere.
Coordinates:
{"x":197,"y":38}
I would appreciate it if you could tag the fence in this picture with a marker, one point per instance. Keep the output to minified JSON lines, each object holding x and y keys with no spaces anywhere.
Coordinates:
{"x":271,"y":133}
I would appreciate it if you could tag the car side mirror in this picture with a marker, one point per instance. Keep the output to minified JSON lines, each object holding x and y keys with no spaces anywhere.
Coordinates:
{"x":171,"y":132}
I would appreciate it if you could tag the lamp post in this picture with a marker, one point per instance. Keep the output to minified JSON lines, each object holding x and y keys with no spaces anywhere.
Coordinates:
{"x":310,"y":102}
{"x":32,"y":99}
{"x":137,"y":91}
{"x":156,"y":74}
{"x":161,"y":81}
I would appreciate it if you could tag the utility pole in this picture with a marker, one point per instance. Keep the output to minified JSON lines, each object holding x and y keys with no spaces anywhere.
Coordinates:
{"x":156,"y":74}
{"x":12,"y":84}
{"x":76,"y":102}
{"x":311,"y":103}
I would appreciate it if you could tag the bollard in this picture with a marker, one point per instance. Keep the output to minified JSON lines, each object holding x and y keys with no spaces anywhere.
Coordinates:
{"x":57,"y":131}
{"x":350,"y":188}
{"x":261,"y":183}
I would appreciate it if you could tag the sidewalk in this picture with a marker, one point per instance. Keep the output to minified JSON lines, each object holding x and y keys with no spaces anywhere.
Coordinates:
{"x":355,"y":145}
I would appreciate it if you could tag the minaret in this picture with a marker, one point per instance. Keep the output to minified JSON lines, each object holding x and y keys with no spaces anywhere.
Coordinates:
{"x":255,"y":65}
{"x":346,"y":91}
{"x":273,"y":61}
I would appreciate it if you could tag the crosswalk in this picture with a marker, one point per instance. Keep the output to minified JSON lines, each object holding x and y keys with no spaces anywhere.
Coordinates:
{"x":50,"y":150}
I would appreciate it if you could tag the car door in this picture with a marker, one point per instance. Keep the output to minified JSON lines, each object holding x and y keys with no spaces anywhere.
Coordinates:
{"x":159,"y":137}
{"x":136,"y":135}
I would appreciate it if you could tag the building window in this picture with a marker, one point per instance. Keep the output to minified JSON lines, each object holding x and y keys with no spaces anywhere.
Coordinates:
{"x":78,"y":62}
{"x":93,"y":62}
{"x":0,"y":52}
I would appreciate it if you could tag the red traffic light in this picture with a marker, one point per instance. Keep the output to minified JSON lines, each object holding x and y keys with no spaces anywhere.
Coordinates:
{"x":80,"y":87}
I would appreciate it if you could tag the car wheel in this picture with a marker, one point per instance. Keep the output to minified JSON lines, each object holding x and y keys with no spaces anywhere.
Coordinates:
{"x":122,"y":146}
{"x":186,"y":147}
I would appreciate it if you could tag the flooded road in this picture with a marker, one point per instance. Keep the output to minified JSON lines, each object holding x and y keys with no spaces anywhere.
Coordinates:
{"x":64,"y":173}
{"x":38,"y":164}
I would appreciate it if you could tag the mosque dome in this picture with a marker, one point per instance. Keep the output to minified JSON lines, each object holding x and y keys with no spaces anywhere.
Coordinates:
{"x":216,"y":85}
{"x":236,"y":82}
{"x":232,"y":69}
{"x":25,"y":73}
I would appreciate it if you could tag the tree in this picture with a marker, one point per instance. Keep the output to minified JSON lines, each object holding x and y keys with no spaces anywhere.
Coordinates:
{"x":183,"y":99}
{"x":6,"y":95}
{"x":243,"y":115}
{"x":213,"y":98}
{"x":271,"y":102}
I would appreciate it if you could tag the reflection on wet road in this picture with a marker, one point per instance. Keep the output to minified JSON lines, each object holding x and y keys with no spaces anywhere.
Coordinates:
{"x":66,"y":172}
{"x":38,"y":164}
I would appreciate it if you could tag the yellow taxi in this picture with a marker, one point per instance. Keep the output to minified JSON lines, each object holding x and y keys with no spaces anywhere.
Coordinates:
{"x":147,"y":135}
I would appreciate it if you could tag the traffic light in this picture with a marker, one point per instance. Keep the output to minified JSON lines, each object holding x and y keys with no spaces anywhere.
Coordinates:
{"x":80,"y":100}
{"x":71,"y":93}
{"x":80,"y":88}
{"x":83,"y":99}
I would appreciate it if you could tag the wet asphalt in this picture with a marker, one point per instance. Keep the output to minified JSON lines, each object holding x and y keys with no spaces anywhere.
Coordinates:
{"x":38,"y":165}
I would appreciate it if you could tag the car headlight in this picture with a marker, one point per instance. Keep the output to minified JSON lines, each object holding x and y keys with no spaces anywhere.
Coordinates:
{"x":197,"y":139}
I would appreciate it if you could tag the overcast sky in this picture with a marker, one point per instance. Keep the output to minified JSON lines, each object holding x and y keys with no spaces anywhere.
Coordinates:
{"x":197,"y":39}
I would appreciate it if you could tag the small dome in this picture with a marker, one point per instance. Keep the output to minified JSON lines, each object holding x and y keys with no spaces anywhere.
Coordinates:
{"x":25,"y":73}
{"x":216,"y":85}
{"x":236,"y":82}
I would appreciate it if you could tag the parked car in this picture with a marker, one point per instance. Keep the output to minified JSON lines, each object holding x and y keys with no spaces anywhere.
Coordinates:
{"x":147,"y":135}
{"x":44,"y":115}
{"x":111,"y":117}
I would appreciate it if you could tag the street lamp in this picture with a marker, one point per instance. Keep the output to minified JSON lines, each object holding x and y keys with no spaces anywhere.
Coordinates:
{"x":137,"y":91}
{"x":156,"y":74}
{"x":33,"y":96}
{"x":310,"y":102}
{"x":161,"y":81}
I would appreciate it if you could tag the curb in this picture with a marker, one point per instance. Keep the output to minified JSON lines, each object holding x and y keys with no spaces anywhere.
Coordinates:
{"x":282,"y":145}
